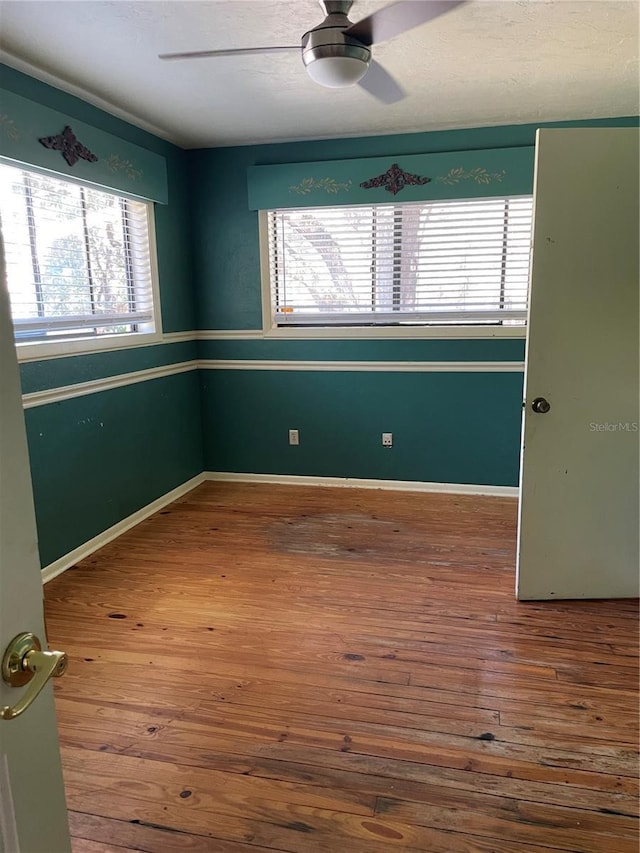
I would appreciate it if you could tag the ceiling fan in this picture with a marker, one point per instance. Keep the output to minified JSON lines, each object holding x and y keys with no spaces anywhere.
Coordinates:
{"x":337,"y":53}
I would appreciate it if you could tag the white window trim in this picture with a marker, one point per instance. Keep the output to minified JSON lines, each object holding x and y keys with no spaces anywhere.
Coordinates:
{"x":35,"y":350}
{"x":271,"y":330}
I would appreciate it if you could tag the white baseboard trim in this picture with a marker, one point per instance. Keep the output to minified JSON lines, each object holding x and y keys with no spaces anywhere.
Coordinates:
{"x":358,"y":483}
{"x":63,"y":563}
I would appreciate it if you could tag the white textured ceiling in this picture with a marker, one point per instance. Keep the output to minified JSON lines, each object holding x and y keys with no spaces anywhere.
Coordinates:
{"x":485,"y":63}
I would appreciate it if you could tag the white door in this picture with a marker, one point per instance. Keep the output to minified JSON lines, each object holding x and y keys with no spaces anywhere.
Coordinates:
{"x":33,"y":817}
{"x":578,"y":527}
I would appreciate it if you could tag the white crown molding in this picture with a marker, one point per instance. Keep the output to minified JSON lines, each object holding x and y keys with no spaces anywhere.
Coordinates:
{"x":86,"y":95}
{"x":61,"y":565}
{"x":358,"y":483}
{"x":81,"y":389}
{"x":365,"y":366}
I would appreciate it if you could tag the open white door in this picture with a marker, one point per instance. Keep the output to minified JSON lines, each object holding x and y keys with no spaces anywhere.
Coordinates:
{"x":33,"y":816}
{"x":578,"y":527}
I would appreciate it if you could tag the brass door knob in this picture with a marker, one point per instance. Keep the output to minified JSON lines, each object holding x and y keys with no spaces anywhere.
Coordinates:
{"x":24,"y":663}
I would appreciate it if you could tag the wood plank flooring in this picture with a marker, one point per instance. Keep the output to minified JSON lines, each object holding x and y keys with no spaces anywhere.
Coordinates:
{"x":316,"y":670}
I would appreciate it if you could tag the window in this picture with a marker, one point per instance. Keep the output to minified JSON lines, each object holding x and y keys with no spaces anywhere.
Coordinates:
{"x":427,"y":263}
{"x":78,"y":259}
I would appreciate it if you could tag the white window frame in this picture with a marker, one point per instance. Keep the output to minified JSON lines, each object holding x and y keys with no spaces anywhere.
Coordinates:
{"x":271,"y":330}
{"x":36,"y":350}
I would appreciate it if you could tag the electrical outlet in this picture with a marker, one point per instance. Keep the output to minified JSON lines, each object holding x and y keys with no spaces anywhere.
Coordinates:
{"x":294,"y":437}
{"x":387,"y":439}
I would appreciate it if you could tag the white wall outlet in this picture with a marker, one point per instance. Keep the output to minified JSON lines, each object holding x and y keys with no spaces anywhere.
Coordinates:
{"x":294,"y":437}
{"x":387,"y":439}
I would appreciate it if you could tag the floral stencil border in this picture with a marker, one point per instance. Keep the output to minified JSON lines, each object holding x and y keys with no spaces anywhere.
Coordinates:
{"x":9,"y":127}
{"x":479,"y":175}
{"x":116,"y":164}
{"x":329,"y":185}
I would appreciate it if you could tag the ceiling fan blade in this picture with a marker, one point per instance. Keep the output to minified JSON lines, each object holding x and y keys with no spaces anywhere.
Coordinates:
{"x":398,"y":18}
{"x":381,"y":84}
{"x":205,"y":54}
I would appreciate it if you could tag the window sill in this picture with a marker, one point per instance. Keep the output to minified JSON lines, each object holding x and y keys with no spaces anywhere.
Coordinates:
{"x":84,"y":346}
{"x":382,"y":332}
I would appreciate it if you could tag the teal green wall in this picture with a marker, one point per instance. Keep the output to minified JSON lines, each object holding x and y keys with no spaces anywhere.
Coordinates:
{"x":98,"y":458}
{"x":58,"y":372}
{"x":366,"y":350}
{"x":448,"y":427}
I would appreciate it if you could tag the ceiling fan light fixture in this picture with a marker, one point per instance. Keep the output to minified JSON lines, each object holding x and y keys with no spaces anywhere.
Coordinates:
{"x":337,"y":72}
{"x":337,"y":66}
{"x":337,"y":53}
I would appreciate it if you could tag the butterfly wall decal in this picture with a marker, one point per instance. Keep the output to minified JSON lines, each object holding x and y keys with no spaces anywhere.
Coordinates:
{"x":71,"y":149}
{"x":394,"y":180}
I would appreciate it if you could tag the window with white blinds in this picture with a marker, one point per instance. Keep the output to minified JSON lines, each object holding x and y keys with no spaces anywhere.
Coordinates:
{"x":78,"y":259}
{"x":451,"y":262}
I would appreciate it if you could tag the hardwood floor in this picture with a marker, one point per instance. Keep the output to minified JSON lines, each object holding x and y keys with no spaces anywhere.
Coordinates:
{"x":261,"y":668}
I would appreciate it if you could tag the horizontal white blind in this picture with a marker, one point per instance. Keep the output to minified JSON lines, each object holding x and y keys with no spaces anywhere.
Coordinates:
{"x":78,"y":259}
{"x":437,"y":262}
